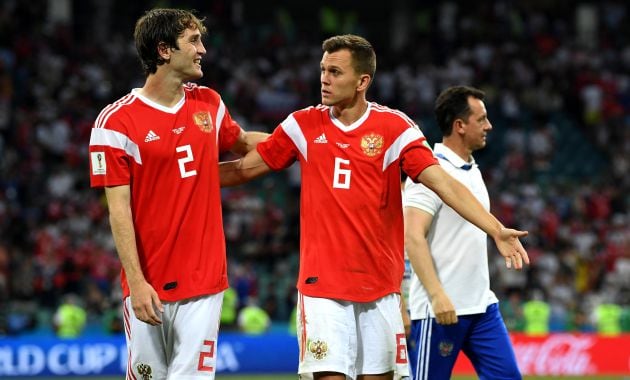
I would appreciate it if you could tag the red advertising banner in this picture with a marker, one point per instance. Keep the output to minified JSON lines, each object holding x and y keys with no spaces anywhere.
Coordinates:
{"x":566,"y":354}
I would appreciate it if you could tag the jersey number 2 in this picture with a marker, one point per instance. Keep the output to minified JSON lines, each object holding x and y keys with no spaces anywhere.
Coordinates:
{"x":184,"y":160}
{"x":341,"y":176}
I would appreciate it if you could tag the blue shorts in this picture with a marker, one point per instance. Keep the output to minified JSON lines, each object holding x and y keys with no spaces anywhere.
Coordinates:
{"x":433,"y":348}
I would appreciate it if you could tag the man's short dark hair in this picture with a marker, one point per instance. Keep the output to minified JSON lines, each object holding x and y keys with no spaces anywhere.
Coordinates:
{"x":161,"y":26}
{"x":452,"y":104}
{"x":363,"y":55}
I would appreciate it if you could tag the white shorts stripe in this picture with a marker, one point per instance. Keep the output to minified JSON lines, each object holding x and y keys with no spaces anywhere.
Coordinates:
{"x":420,"y":362}
{"x":427,"y":348}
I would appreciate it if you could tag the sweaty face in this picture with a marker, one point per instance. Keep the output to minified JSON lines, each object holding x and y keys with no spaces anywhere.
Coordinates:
{"x":186,"y":60}
{"x":339,"y":80}
{"x":477,"y":125}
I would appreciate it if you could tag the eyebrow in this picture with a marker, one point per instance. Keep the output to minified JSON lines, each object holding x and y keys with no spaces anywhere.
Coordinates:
{"x":331,"y":66}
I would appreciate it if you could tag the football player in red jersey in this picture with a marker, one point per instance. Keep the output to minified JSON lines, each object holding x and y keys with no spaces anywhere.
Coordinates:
{"x":351,"y":152}
{"x":156,"y":153}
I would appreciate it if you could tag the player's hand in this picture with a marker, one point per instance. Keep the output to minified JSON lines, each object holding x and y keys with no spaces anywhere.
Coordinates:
{"x":511,"y":249}
{"x":443,"y":308}
{"x":146,"y":304}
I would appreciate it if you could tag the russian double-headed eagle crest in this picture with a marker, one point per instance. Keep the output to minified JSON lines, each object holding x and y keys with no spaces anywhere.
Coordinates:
{"x":318,"y":348}
{"x":446,"y":348}
{"x":145,"y":371}
{"x":203,"y":121}
{"x":372,"y":144}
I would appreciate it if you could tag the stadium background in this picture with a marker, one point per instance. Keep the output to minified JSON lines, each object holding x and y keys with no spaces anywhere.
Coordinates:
{"x":558,"y":85}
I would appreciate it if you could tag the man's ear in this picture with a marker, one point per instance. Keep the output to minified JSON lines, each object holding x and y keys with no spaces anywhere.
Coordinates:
{"x":164,"y":51}
{"x":364,"y":82}
{"x":459,"y":126}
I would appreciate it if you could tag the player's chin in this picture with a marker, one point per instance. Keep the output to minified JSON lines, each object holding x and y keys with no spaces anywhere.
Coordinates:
{"x":327,"y":101}
{"x":196,"y":74}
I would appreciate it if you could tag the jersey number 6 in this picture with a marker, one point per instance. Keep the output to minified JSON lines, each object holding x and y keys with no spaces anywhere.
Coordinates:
{"x":341,"y":177}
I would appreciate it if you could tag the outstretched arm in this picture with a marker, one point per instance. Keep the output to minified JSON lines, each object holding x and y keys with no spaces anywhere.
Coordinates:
{"x":460,"y":199}
{"x":144,"y":298}
{"x":249,"y":166}
{"x":232,"y":173}
{"x":417,"y":224}
{"x":247,"y":141}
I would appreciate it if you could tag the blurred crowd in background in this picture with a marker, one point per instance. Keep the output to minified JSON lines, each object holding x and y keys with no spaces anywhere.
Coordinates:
{"x":557,"y":79}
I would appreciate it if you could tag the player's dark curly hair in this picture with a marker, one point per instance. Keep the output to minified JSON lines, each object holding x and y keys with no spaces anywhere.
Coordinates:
{"x":452,"y":104}
{"x":363,"y":55}
{"x":161,"y":26}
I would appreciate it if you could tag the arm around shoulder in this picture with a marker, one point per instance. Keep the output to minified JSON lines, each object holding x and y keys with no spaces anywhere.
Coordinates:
{"x":247,"y":141}
{"x":248,"y":167}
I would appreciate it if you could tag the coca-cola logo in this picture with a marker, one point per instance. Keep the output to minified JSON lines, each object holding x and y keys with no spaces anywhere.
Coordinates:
{"x":559,"y":354}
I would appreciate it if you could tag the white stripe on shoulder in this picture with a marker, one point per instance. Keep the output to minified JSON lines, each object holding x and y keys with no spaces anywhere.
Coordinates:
{"x":380,"y":108}
{"x":117,"y":140}
{"x":291,"y":127}
{"x":101,"y":120}
{"x":393,"y":152}
{"x":220,"y":116}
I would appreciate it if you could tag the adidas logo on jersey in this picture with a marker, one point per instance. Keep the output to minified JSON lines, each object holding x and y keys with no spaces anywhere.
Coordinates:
{"x":321,"y":139}
{"x":151,"y":136}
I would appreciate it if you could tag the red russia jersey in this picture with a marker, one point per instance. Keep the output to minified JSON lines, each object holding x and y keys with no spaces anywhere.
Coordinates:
{"x":351,"y":241}
{"x":169,"y":157}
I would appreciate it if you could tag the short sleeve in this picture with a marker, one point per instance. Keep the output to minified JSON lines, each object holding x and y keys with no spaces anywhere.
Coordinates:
{"x":416,"y":157}
{"x":278,"y":150}
{"x":419,"y":196}
{"x":110,"y":154}
{"x":229,"y":131}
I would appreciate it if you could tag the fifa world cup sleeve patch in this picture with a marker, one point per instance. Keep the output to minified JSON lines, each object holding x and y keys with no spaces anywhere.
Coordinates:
{"x":99,"y":166}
